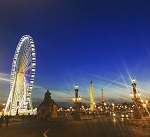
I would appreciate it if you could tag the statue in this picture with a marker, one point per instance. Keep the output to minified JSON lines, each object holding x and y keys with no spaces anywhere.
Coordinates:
{"x":47,"y":109}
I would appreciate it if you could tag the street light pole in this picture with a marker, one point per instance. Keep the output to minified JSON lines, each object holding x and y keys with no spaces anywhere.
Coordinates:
{"x":145,"y":105}
{"x":3,"y":108}
{"x":135,"y":96}
{"x":76,"y":101}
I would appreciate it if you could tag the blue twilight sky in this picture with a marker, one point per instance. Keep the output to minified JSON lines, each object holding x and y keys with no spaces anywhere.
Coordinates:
{"x":76,"y":41}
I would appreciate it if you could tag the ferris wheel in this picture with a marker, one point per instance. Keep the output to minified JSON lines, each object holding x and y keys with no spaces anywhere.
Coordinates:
{"x":22,"y":78}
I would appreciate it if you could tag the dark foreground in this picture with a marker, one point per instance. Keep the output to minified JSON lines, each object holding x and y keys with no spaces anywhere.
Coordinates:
{"x":87,"y":127}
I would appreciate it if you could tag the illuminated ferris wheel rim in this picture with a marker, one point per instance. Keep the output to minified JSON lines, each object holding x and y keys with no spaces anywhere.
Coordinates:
{"x":30,"y":65}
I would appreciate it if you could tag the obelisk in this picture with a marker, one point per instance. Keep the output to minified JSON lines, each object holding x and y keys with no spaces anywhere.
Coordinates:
{"x":102,"y":101}
{"x":92,"y":103}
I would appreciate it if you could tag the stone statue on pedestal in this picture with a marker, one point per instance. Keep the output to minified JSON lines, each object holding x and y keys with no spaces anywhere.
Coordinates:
{"x":48,"y":108}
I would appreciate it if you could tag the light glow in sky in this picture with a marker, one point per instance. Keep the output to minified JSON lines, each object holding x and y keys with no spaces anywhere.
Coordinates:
{"x":107,"y":42}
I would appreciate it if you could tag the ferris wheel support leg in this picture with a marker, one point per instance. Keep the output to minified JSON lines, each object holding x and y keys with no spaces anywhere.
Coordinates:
{"x":31,"y":106}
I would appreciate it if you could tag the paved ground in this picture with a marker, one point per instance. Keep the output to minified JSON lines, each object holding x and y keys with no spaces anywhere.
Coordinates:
{"x":89,"y":127}
{"x":104,"y":127}
{"x":26,"y":128}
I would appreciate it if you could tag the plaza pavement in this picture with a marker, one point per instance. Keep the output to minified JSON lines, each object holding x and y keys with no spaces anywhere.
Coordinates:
{"x":34,"y":128}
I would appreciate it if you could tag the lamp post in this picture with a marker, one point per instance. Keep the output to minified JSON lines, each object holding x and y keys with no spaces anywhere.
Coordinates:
{"x":145,"y":110}
{"x":135,"y":96}
{"x":113,"y":109}
{"x":144,"y":103}
{"x":3,"y":108}
{"x":76,"y":101}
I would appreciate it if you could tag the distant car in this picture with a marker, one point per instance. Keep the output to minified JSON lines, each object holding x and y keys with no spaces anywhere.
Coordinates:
{"x":125,"y":115}
{"x":113,"y":114}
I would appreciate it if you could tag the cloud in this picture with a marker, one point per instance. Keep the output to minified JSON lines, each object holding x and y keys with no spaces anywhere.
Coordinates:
{"x":5,"y":77}
{"x":5,"y":87}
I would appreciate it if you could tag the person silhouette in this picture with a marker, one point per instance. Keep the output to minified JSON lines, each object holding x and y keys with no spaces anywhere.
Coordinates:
{"x":1,"y":122}
{"x":6,"y":120}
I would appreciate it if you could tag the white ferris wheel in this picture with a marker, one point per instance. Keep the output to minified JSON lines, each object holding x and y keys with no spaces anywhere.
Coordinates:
{"x":22,"y":78}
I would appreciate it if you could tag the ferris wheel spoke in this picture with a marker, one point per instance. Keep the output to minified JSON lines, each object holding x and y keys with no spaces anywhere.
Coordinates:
{"x":29,"y":67}
{"x":25,"y":62}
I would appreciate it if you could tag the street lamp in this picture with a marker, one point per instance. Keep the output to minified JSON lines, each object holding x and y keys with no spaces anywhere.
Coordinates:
{"x":76,"y":100}
{"x":145,"y":104}
{"x":3,"y":107}
{"x":135,"y":96}
{"x":113,"y":109}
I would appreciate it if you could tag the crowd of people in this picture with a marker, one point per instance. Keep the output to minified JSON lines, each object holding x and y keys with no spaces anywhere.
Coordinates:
{"x":24,"y":118}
